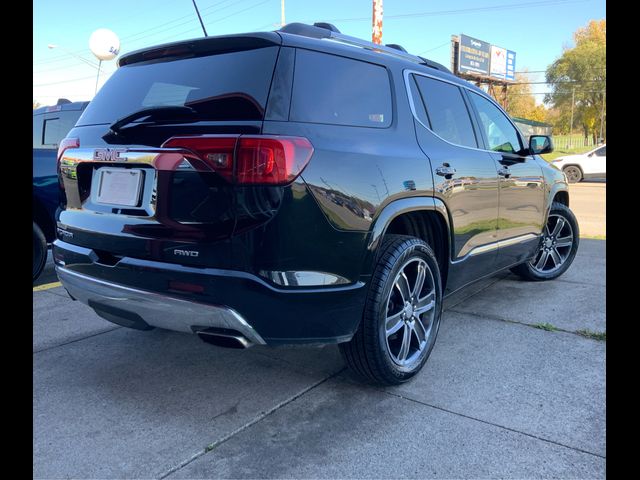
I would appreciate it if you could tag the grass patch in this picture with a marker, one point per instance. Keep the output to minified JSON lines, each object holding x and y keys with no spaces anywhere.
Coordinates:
{"x":546,"y":326}
{"x":559,"y":152}
{"x":209,"y":447}
{"x":600,"y":336}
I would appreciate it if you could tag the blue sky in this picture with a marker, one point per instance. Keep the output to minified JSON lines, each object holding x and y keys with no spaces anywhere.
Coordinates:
{"x":537,"y":30}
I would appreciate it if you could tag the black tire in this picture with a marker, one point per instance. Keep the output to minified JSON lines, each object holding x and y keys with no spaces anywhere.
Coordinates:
{"x":369,"y":353}
{"x":531,"y":269}
{"x":573,"y":174}
{"x":39,"y":251}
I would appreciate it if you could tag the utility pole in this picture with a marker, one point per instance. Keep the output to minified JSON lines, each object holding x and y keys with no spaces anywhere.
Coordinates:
{"x":282,"y":22}
{"x":604,"y":96}
{"x":199,"y":17}
{"x":376,"y":22}
{"x":573,"y":92}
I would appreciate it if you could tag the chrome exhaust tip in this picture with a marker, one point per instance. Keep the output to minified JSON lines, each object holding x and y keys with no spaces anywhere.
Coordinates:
{"x":224,"y":338}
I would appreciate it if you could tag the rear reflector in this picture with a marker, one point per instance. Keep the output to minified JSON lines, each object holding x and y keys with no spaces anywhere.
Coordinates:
{"x":250,"y":160}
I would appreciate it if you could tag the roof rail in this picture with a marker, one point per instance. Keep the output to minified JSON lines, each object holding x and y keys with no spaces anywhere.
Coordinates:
{"x":328,"y":26}
{"x":397,"y":47}
{"x":330,"y":32}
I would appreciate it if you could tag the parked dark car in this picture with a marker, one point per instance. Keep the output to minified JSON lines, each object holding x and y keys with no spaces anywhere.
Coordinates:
{"x":300,"y":186}
{"x":50,"y":125}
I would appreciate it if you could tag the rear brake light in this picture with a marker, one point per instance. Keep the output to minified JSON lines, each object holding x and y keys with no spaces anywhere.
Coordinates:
{"x":250,"y":160}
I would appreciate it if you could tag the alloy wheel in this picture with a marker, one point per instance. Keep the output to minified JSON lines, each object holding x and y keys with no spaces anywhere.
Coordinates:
{"x":555,"y":246}
{"x":410,"y":312}
{"x":573,"y":174}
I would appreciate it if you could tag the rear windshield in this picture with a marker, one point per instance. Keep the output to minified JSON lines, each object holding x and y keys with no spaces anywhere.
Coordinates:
{"x":229,"y":86}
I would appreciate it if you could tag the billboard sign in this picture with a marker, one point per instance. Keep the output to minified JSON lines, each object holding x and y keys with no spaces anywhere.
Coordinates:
{"x":498,"y":62}
{"x":474,"y":56}
{"x":503,"y":63}
{"x":511,"y":65}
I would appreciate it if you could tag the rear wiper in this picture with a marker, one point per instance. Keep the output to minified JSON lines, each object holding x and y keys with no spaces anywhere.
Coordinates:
{"x":162,"y":112}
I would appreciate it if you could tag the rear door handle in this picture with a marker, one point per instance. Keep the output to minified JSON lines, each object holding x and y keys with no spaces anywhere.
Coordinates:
{"x":446,"y":171}
{"x":504,"y":172}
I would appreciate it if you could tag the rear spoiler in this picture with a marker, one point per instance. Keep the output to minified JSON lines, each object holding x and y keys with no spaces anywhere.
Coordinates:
{"x":201,"y":47}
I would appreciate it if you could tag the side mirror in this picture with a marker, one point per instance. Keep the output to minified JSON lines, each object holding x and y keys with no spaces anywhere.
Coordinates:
{"x":539,"y":144}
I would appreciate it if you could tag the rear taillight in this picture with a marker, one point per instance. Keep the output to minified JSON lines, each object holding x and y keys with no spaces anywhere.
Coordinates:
{"x":65,"y":144}
{"x":250,"y":160}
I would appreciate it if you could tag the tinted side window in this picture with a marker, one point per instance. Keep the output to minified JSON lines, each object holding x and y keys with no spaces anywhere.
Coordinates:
{"x":340,"y":91}
{"x":37,"y":131}
{"x":446,"y":111}
{"x":601,"y":152}
{"x":56,"y":128}
{"x":501,"y":134}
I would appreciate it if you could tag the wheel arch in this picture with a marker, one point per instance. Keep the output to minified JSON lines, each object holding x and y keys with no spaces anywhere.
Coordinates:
{"x":43,"y":219}
{"x":426,"y":218}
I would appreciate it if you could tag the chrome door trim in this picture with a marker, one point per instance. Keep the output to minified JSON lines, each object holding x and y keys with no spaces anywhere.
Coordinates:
{"x":502,"y":243}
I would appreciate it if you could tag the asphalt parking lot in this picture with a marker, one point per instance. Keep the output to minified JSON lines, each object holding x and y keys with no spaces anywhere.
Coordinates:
{"x":515,"y":387}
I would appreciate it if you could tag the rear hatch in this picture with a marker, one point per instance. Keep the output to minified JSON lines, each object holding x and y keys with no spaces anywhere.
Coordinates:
{"x":148,"y":170}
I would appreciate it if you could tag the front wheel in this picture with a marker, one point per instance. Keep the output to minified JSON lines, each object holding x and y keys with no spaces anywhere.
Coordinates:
{"x":402,"y":314}
{"x":557,"y":249}
{"x":574,"y":174}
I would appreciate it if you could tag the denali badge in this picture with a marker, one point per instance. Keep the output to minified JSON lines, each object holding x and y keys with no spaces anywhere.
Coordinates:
{"x":185,"y":253}
{"x":109,"y":155}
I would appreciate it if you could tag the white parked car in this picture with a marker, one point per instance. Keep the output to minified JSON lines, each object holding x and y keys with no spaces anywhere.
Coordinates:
{"x":592,"y":164}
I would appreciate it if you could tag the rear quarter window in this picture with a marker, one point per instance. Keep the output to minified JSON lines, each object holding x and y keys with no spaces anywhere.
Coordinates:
{"x":340,"y":91}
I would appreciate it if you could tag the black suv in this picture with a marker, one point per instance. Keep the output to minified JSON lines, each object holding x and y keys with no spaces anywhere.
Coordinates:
{"x":300,"y":186}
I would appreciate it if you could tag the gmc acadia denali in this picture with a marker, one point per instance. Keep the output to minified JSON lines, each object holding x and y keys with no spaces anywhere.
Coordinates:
{"x":300,"y":186}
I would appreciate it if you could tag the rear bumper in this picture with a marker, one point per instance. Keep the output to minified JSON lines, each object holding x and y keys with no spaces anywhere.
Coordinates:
{"x":140,"y":309}
{"x":141,"y":294}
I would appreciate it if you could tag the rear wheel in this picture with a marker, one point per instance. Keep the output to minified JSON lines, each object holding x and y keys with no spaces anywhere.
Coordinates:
{"x":558,"y":246}
{"x":39,"y":251}
{"x":402,"y":314}
{"x":573,"y":173}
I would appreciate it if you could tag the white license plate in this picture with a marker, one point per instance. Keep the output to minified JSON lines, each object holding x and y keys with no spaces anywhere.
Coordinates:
{"x":119,"y":186}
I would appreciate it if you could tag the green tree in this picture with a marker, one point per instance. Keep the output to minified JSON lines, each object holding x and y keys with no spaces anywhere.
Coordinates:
{"x":581,"y":72}
{"x":520,"y":102}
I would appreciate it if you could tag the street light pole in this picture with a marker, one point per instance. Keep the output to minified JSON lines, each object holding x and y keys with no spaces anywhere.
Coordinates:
{"x":282,"y":22}
{"x":98,"y":76}
{"x":99,"y":66}
{"x":51,"y":46}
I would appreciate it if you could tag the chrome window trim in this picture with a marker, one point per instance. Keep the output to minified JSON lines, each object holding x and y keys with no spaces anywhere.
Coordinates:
{"x":407,"y":72}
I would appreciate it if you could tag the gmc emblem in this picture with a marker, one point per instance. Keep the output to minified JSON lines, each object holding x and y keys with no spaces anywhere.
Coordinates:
{"x":109,"y":155}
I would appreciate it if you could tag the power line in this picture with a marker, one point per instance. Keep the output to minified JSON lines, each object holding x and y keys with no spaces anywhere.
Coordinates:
{"x":215,"y":21}
{"x":64,"y":57}
{"x":542,"y":3}
{"x":448,"y":42}
{"x":170,"y":22}
{"x":67,"y":81}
